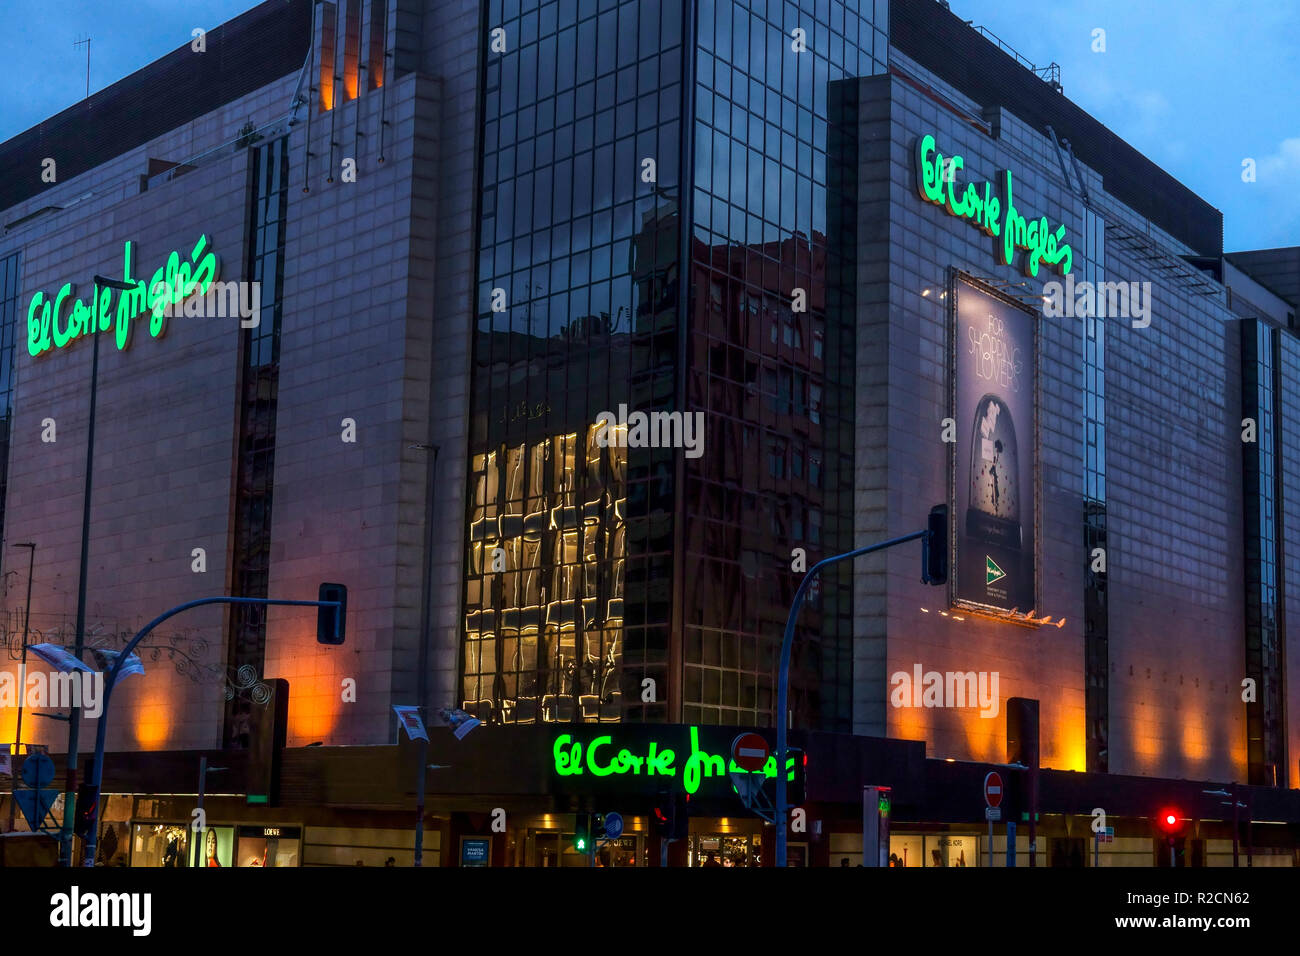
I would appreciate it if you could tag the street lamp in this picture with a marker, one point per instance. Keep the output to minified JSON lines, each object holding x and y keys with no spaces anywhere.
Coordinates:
{"x":1236,"y":805}
{"x":74,"y":722}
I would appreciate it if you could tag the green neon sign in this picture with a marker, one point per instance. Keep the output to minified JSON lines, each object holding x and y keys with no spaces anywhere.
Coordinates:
{"x":600,"y":759}
{"x":57,"y":323}
{"x":994,"y":215}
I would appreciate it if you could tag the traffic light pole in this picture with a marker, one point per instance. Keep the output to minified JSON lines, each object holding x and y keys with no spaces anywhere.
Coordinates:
{"x":783,"y":679}
{"x":110,"y":681}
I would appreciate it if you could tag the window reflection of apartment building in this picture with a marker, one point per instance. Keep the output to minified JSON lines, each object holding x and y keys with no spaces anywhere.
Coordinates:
{"x":545,"y":581}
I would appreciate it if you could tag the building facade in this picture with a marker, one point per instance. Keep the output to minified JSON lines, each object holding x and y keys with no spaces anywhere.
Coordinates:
{"x":582,"y":331}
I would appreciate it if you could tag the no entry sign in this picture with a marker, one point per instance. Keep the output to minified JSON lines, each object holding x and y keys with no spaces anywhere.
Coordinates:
{"x":749,"y":751}
{"x":993,"y":789}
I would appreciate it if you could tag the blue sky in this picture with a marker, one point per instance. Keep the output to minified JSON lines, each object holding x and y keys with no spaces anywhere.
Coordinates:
{"x":1197,"y":85}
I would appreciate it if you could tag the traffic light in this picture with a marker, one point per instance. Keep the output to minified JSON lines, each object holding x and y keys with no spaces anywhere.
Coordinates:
{"x":598,"y":827}
{"x":582,"y":834}
{"x":87,"y":798}
{"x":796,"y":788}
{"x":330,"y":621}
{"x":934,"y":547}
{"x":670,"y":818}
{"x":1170,"y":821}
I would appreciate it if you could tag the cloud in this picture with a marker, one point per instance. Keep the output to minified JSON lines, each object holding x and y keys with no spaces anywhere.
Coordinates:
{"x":1283,"y":166}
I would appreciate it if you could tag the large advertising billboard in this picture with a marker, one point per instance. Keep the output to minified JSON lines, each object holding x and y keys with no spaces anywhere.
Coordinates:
{"x":995,"y":503}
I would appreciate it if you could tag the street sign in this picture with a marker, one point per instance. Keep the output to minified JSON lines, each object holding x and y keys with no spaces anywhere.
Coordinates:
{"x":992,"y":813}
{"x":1108,"y":836}
{"x":993,"y":790}
{"x":35,"y":804}
{"x":750,"y":752}
{"x":613,"y":825}
{"x":38,"y":770}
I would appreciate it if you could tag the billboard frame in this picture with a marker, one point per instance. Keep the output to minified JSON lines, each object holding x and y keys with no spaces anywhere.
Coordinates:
{"x":956,"y":277}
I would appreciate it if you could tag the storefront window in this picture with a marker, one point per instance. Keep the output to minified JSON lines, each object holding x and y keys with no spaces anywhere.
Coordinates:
{"x":934,"y":849}
{"x":159,"y":844}
{"x":218,"y":847}
{"x":728,"y":851}
{"x":268,"y":846}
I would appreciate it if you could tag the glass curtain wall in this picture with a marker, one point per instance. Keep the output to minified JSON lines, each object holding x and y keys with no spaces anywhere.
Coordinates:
{"x":250,"y":572}
{"x":1265,"y":725}
{"x":569,"y":537}
{"x":770,"y":358}
{"x":610,"y":583}
{"x":1096,"y":633}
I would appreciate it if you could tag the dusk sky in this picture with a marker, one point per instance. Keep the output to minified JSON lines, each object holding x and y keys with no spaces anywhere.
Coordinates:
{"x":1198,"y":87}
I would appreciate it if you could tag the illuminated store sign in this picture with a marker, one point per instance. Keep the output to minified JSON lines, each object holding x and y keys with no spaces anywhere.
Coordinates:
{"x":56,"y":323}
{"x":600,"y":758}
{"x":994,"y":215}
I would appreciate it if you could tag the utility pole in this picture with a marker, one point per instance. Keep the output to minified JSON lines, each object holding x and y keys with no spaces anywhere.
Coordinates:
{"x":934,"y":571}
{"x":74,"y":716}
{"x":22,"y":674}
{"x":87,"y":42}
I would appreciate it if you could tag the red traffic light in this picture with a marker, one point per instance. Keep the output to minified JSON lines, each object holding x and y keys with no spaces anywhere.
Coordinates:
{"x":1170,"y":820}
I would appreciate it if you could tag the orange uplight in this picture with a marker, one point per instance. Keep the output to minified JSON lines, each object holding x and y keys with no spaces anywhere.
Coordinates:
{"x":313,"y":713}
{"x":152,"y":721}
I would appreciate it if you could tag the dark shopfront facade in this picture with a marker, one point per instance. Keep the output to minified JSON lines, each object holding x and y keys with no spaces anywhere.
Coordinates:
{"x":515,"y":796}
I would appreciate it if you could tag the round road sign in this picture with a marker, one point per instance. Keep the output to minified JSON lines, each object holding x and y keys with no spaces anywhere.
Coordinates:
{"x":613,"y":825}
{"x":993,"y":789}
{"x":750,"y":752}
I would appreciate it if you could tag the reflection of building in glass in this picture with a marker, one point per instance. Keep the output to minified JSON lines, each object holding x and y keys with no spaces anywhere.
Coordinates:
{"x":600,"y":285}
{"x":548,"y":541}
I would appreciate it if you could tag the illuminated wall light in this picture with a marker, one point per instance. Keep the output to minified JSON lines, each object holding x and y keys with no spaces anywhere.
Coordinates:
{"x":925,"y":610}
{"x":378,"y":41}
{"x":351,"y":49}
{"x":328,"y":40}
{"x":152,"y":721}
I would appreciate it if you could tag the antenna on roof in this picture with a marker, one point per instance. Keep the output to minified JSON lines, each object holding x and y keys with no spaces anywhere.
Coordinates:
{"x":87,"y":42}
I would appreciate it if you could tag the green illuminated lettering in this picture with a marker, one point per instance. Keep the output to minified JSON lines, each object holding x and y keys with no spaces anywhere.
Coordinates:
{"x":175,"y":282}
{"x":929,"y":173}
{"x":700,"y":763}
{"x":936,"y":182}
{"x":568,"y":756}
{"x":61,"y":336}
{"x":595,"y":768}
{"x":38,"y":327}
{"x":660,"y":762}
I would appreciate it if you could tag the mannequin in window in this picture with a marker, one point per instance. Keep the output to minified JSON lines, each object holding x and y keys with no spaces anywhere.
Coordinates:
{"x":171,"y":854}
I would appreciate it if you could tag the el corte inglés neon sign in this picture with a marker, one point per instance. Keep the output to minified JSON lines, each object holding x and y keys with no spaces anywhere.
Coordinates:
{"x":600,"y":759}
{"x":994,"y":215}
{"x":54,"y":323}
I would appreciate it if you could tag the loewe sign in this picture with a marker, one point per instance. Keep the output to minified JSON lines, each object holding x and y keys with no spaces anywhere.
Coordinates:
{"x":173,"y":283}
{"x":994,"y":215}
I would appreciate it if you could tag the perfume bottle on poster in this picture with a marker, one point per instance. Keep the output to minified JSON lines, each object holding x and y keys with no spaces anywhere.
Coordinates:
{"x":993,"y":514}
